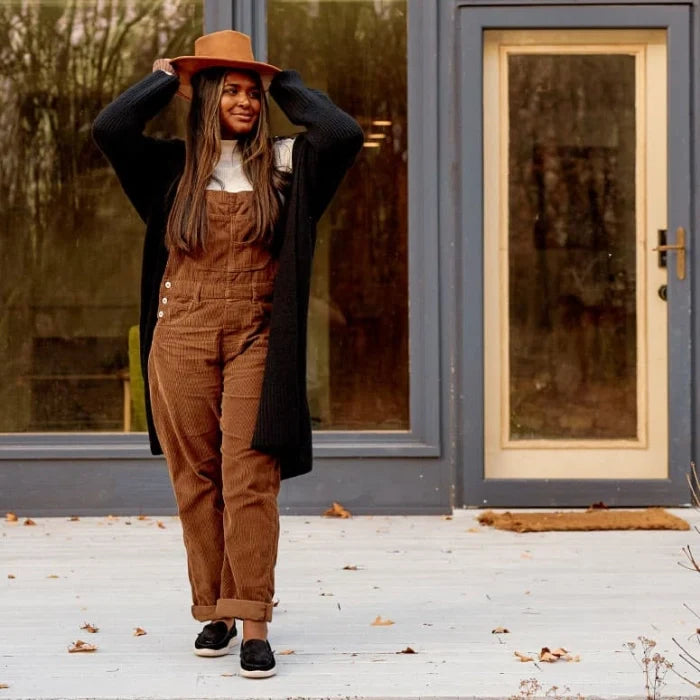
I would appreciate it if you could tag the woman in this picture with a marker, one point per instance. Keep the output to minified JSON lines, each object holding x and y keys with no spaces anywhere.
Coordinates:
{"x":230,"y":218}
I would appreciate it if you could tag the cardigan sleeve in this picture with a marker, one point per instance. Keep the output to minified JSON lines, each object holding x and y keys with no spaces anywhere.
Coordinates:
{"x":138,"y":160}
{"x":334,"y":137}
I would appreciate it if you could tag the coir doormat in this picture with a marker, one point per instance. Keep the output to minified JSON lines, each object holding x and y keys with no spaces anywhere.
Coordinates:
{"x":591,"y":519}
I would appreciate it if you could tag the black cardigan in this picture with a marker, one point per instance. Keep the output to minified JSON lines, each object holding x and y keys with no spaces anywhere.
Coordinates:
{"x":149,"y":169}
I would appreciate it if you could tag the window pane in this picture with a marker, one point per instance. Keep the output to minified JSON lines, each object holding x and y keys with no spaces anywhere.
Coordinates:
{"x":572,"y":247}
{"x":358,"y":318}
{"x":71,"y":243}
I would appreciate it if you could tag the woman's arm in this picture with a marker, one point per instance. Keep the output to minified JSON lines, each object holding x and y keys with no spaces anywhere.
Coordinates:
{"x":334,"y":136}
{"x":138,"y":160}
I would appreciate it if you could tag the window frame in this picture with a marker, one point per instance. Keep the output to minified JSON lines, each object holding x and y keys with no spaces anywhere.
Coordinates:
{"x":422,"y":439}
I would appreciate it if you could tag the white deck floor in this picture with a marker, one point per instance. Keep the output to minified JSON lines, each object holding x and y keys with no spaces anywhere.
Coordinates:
{"x":445,"y":586}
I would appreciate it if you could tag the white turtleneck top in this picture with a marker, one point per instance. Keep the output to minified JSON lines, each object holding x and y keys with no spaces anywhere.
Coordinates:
{"x":230,"y":172}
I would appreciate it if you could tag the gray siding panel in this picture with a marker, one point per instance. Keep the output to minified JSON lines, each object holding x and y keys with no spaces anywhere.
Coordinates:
{"x":132,"y":486}
{"x":218,"y":14}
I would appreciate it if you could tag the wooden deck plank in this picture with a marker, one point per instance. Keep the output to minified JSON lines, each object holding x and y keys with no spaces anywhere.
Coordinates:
{"x":444,"y":586}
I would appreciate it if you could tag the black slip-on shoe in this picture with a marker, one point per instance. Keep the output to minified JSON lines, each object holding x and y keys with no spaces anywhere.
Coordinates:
{"x":257,"y":659}
{"x":216,"y":639}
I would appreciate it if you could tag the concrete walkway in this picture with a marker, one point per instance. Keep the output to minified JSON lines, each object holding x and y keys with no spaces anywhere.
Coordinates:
{"x":446,"y":583}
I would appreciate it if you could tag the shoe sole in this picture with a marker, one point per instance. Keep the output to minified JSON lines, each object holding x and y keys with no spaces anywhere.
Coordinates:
{"x":258,"y":674}
{"x":218,"y":652}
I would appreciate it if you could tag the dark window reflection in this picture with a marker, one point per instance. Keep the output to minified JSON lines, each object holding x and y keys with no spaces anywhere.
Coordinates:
{"x":572,"y":246}
{"x":358,"y":319}
{"x":70,"y":243}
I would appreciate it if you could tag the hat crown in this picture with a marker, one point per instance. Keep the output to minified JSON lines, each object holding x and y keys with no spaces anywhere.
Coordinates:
{"x":224,"y":48}
{"x":227,"y":44}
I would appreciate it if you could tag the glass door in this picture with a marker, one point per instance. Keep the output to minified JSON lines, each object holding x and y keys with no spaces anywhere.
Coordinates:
{"x":575,"y":310}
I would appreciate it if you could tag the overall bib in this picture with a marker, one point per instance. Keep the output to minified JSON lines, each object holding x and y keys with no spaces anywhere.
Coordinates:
{"x":205,"y":370}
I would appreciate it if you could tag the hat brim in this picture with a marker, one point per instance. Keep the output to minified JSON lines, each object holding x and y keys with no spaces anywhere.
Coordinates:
{"x":187,"y":66}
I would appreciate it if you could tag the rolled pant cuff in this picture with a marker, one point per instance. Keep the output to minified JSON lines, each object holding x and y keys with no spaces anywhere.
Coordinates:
{"x":244,"y":609}
{"x":204,"y":612}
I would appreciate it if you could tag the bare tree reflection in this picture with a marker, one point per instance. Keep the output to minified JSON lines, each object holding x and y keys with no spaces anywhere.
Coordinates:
{"x":70,"y":245}
{"x":356,"y":51}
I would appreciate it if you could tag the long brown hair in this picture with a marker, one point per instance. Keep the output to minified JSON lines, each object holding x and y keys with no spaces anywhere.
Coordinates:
{"x":187,"y":220}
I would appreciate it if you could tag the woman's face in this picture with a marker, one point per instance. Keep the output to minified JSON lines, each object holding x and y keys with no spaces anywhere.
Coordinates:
{"x":239,"y":109}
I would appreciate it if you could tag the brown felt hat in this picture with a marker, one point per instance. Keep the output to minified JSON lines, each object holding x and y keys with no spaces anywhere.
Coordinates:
{"x":225,"y":48}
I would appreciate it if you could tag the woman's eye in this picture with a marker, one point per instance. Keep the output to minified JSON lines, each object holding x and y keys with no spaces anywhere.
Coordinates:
{"x":253,"y":95}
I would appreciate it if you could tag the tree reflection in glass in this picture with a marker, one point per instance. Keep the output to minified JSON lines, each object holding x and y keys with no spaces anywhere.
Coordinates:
{"x":71,"y":243}
{"x":358,"y":318}
{"x":572,"y":247}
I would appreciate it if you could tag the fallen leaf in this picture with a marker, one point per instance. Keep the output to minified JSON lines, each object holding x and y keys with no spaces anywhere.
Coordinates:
{"x":523,"y":657}
{"x":112,"y":517}
{"x":89,"y":628}
{"x":407,"y":650}
{"x":546,"y":655}
{"x":227,"y":675}
{"x":10,"y":517}
{"x":554,"y":655}
{"x":4,"y":685}
{"x":73,"y":518}
{"x":285,"y":652}
{"x":526,"y":555}
{"x":473,"y":529}
{"x":80,"y":645}
{"x":10,"y":576}
{"x":379,"y":622}
{"x":325,"y":594}
{"x":447,"y":517}
{"x":52,"y":576}
{"x":350,"y":567}
{"x":138,"y":631}
{"x":160,"y":524}
{"x":145,"y":517}
{"x":337,"y":511}
{"x":29,"y":521}
{"x":500,"y":630}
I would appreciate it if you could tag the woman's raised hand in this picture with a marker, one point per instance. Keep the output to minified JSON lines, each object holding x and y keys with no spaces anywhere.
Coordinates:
{"x":164,"y":64}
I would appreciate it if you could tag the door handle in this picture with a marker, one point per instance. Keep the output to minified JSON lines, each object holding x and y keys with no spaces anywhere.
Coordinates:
{"x":679,"y":248}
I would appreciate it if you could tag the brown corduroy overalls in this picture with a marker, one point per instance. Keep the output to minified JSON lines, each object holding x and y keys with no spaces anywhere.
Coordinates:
{"x":205,"y":371}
